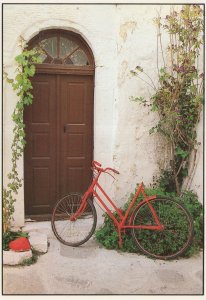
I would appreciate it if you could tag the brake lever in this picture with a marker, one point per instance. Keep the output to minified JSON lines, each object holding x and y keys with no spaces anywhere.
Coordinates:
{"x":110,"y":175}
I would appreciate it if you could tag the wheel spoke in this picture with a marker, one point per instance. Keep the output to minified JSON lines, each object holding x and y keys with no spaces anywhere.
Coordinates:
{"x":77,"y":232}
{"x":175,"y":237}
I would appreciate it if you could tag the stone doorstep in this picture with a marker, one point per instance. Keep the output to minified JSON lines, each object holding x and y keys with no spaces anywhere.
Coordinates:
{"x":40,"y":227}
{"x":38,"y":235}
{"x":38,"y":241}
{"x":15,"y":258}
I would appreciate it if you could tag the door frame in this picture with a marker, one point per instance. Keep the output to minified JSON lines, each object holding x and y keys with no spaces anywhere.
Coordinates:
{"x":58,"y":69}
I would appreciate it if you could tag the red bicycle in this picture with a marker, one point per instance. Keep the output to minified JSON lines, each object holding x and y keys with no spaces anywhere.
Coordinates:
{"x":152,"y":221}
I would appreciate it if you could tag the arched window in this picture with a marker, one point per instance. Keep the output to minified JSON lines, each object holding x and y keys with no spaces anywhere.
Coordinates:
{"x":63,"y":47}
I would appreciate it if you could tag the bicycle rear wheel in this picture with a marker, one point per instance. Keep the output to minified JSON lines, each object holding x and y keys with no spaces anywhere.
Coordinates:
{"x":176,"y":236}
{"x":73,"y":233}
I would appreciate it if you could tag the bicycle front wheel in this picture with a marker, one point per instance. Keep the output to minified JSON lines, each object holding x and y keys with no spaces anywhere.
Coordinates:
{"x":176,"y":236}
{"x":77,"y":232}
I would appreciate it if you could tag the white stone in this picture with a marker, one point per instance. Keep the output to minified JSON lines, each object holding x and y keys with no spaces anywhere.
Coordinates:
{"x":38,"y":241}
{"x":41,"y":227}
{"x":15,"y":229}
{"x":15,"y":258}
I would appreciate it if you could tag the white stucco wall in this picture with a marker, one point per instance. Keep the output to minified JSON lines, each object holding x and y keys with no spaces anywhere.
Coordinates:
{"x":121,"y":37}
{"x":135,"y":152}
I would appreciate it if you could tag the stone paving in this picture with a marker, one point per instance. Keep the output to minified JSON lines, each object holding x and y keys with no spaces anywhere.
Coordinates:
{"x":91,"y":269}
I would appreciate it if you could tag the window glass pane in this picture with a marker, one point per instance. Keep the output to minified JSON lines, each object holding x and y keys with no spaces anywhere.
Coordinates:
{"x":62,"y":51}
{"x":66,"y":47}
{"x":79,"y":58}
{"x":68,"y":61}
{"x":50,"y":45}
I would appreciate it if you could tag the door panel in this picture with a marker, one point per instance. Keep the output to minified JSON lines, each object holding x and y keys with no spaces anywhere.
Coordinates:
{"x":59,"y":135}
{"x":76,"y":151}
{"x":40,"y":151}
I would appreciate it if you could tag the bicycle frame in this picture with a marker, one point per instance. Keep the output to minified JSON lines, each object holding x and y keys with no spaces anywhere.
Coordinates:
{"x":121,"y":225}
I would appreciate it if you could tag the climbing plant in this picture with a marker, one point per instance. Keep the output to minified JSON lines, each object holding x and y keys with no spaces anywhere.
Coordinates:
{"x":178,"y":97}
{"x":22,"y":86}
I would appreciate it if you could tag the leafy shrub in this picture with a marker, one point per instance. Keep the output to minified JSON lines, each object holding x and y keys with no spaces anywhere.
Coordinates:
{"x":107,"y":234}
{"x":179,"y":92}
{"x":191,"y":202}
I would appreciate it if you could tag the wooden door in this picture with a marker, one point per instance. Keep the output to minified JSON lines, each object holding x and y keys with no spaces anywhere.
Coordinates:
{"x":59,"y":135}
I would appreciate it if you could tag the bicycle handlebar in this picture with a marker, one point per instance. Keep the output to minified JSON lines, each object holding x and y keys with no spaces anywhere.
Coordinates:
{"x":97,"y":166}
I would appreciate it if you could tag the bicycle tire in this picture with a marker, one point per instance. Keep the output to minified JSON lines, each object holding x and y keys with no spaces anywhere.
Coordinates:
{"x":73,"y":233}
{"x":177,"y":235}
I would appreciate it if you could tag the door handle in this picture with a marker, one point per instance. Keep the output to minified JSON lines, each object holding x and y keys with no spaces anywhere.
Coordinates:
{"x":66,"y":128}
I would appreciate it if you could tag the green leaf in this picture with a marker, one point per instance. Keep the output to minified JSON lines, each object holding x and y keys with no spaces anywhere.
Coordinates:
{"x":162,"y":78}
{"x":181,"y":153}
{"x":140,"y":69}
{"x":162,"y":70}
{"x":15,"y":86}
{"x":28,"y":100}
{"x":38,"y":60}
{"x":153,"y":130}
{"x":140,"y":99}
{"x":19,"y":77}
{"x":19,"y":105}
{"x":20,"y":59}
{"x":133,"y":73}
{"x":154,"y":107}
{"x":184,"y":172}
{"x":9,"y":80}
{"x":30,"y":70}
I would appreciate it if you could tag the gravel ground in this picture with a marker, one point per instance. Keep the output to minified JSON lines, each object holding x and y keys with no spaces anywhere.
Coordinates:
{"x":93,"y":270}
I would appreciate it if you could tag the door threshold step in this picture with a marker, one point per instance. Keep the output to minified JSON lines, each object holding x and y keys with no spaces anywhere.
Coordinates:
{"x":40,"y":227}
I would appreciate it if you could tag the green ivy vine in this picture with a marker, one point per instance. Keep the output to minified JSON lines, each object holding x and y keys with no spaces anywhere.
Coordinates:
{"x":22,"y":86}
{"x":178,"y":98}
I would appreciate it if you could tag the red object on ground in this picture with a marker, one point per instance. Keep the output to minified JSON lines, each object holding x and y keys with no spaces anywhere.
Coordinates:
{"x":20,"y":244}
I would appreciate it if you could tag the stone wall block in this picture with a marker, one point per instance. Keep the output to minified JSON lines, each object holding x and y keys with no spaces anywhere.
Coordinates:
{"x":15,"y":258}
{"x":38,"y":241}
